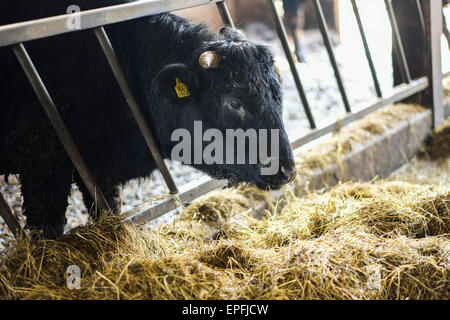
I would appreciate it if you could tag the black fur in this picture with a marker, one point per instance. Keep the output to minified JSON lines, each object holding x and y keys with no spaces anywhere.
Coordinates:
{"x":151,"y":50}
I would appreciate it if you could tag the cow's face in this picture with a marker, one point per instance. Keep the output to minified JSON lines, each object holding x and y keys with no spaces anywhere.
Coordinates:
{"x":232,"y":84}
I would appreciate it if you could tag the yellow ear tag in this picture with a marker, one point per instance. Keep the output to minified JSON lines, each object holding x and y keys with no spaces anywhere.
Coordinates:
{"x":181,"y":89}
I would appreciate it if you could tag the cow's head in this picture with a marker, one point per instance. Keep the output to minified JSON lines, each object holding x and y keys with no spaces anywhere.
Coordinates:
{"x":231,"y":83}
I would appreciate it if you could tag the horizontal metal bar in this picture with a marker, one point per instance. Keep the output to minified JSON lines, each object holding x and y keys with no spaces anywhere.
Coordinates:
{"x":58,"y":124}
{"x":113,"y":61}
{"x":191,"y":191}
{"x":400,"y":92}
{"x":47,"y":27}
{"x":10,"y":220}
{"x":149,"y":210}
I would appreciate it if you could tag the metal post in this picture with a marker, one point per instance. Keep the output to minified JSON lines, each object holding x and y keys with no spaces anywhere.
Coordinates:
{"x":398,"y":46}
{"x":435,"y":23}
{"x":225,"y":13}
{"x":326,"y":39}
{"x":113,"y":61}
{"x":10,"y":219}
{"x":58,"y":124}
{"x":284,"y":41}
{"x":367,"y":50}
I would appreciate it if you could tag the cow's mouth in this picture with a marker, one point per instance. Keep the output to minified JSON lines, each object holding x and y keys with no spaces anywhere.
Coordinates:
{"x":263,"y":182}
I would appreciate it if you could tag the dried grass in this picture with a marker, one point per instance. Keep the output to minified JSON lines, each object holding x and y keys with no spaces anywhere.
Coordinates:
{"x":438,"y":145}
{"x":377,"y":240}
{"x":323,"y":246}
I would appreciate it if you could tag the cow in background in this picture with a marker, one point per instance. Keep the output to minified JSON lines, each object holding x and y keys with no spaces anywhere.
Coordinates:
{"x":294,"y":19}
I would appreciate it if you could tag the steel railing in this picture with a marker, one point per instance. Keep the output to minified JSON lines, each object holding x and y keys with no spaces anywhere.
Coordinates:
{"x":14,"y":35}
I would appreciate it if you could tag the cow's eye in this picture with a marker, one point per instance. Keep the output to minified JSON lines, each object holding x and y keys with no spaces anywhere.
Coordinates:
{"x":234,"y":104}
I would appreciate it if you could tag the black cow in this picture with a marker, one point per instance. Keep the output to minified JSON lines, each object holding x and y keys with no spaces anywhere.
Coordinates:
{"x":234,"y":85}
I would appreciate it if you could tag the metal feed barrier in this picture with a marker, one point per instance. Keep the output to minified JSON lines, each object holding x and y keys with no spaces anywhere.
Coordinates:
{"x":15,"y":35}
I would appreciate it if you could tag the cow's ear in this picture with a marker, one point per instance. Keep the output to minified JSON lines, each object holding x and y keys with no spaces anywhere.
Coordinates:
{"x":178,"y":83}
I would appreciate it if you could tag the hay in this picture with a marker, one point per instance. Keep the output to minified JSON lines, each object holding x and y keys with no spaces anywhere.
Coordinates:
{"x":438,"y":145}
{"x":446,"y":86}
{"x":374,"y":240}
{"x":432,"y":165}
{"x":383,"y":240}
{"x":330,"y":152}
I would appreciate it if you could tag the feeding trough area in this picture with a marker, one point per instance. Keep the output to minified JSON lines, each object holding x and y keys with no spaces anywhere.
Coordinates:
{"x":343,"y":193}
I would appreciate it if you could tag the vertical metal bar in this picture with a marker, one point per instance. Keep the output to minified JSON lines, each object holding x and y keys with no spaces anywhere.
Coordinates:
{"x":225,"y":13}
{"x":422,"y":19}
{"x":284,"y":41}
{"x":367,"y":49}
{"x":10,"y":219}
{"x":113,"y":61}
{"x":58,"y":124}
{"x":398,"y":46}
{"x":326,"y":39}
{"x":435,"y":23}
